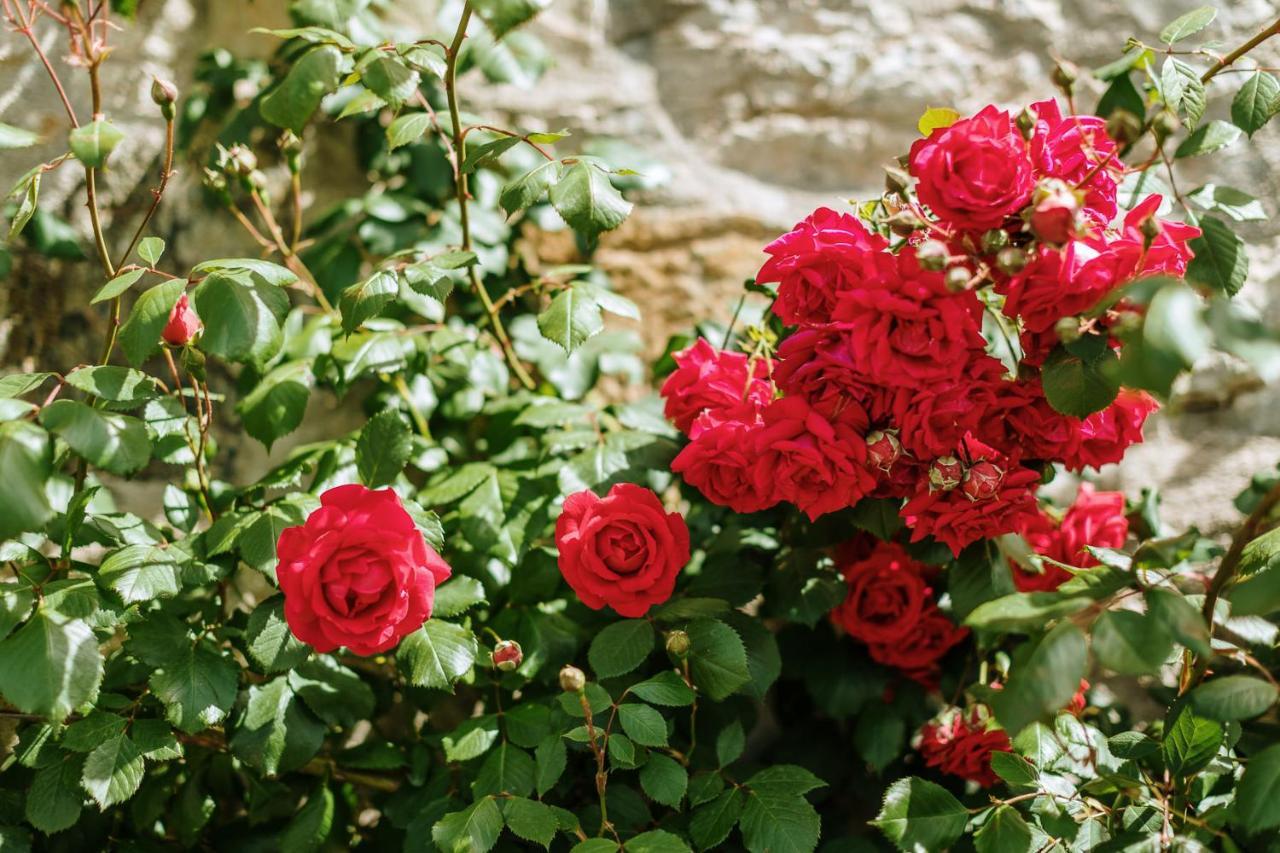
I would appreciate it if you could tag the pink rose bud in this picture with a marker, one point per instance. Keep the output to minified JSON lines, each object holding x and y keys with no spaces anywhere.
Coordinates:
{"x":982,"y":481}
{"x":945,"y":473}
{"x":572,"y":679}
{"x":1055,"y":211}
{"x":183,"y":323}
{"x":507,"y":655}
{"x":883,"y":449}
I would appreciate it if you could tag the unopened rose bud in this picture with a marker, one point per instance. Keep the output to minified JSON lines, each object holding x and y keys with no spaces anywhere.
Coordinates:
{"x":241,"y":161}
{"x":572,"y":679}
{"x":507,"y":655}
{"x":1165,"y":124}
{"x":1124,"y":127}
{"x":896,"y":181}
{"x":183,"y":323}
{"x":1011,"y":260}
{"x":904,"y":223}
{"x":982,"y":481}
{"x":933,"y":255}
{"x":1064,"y":76}
{"x":945,"y":473}
{"x":957,"y":278}
{"x":165,"y":96}
{"x":291,"y":148}
{"x":994,"y":240}
{"x":1055,"y":212}
{"x":883,"y":449}
{"x":1067,"y":329}
{"x":677,"y":643}
{"x":1150,"y":228}
{"x":1026,"y":122}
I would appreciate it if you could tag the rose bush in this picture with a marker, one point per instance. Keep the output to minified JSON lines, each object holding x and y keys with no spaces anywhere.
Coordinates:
{"x":477,"y":598}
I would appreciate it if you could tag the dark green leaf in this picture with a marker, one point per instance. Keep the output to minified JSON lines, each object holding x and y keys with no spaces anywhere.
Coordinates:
{"x":1209,"y":137}
{"x":1190,"y":741}
{"x":1259,"y":791}
{"x":530,"y":820}
{"x":717,"y":658}
{"x":1044,"y":683}
{"x":1130,"y":643}
{"x":50,"y":666}
{"x":621,"y":647}
{"x":587,"y":200}
{"x":664,"y":780}
{"x":1078,"y":386}
{"x":437,"y":654}
{"x":383,"y":448}
{"x":1233,"y":697}
{"x":919,"y":815}
{"x":140,"y":334}
{"x":1220,"y":261}
{"x":291,"y":103}
{"x":275,"y":733}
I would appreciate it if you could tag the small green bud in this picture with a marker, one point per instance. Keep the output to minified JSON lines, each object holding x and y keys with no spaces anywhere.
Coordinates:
{"x":1124,"y":127}
{"x":1026,"y":122}
{"x":678,"y":643}
{"x":933,"y":255}
{"x":904,"y":223}
{"x":165,"y":96}
{"x":1011,"y":260}
{"x":1064,"y":76}
{"x":994,"y":240}
{"x":572,"y":679}
{"x":957,"y":278}
{"x":291,"y":148}
{"x":1165,"y":124}
{"x":1068,"y":329}
{"x":1150,"y":228}
{"x":241,"y":161}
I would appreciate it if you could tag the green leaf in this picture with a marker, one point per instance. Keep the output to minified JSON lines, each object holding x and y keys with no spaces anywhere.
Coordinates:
{"x":587,"y":200}
{"x":529,"y":188}
{"x":622,"y":752}
{"x":487,"y":153}
{"x":151,"y":249}
{"x":140,"y":334}
{"x":116,"y":286}
{"x":663,"y":779}
{"x":508,"y":771}
{"x":269,"y":641}
{"x":384,"y":446}
{"x":730,"y":743}
{"x":475,"y":829}
{"x":310,"y":827}
{"x":782,"y":779}
{"x":50,"y":666}
{"x":406,"y":129}
{"x":26,"y":462}
{"x":656,"y":841}
{"x":665,"y":688}
{"x":717,"y":658}
{"x":1229,"y":201}
{"x":113,"y":771}
{"x":242,"y":316}
{"x":503,"y":16}
{"x":1189,"y":24}
{"x":1258,"y":792}
{"x":313,"y":35}
{"x":571,"y":318}
{"x":1209,"y":137}
{"x":122,"y":385}
{"x":1190,"y":741}
{"x":91,"y":732}
{"x":366,"y":299}
{"x":1015,"y":770}
{"x":530,"y":820}
{"x":621,"y":647}
{"x":1079,"y":386}
{"x":55,"y":797}
{"x":437,"y":654}
{"x":142,"y":572}
{"x":276,"y":405}
{"x":1004,"y":832}
{"x":389,"y":78}
{"x":1233,"y":697}
{"x":115,"y":443}
{"x":262,"y":271}
{"x":1254,"y":105}
{"x":1045,"y":682}
{"x":275,"y":733}
{"x":1182,"y":620}
{"x":550,"y":759}
{"x":474,"y":743}
{"x":712,"y":823}
{"x":643,"y":724}
{"x":18,"y":384}
{"x":16,"y":137}
{"x":1130,"y":643}
{"x":1220,"y":261}
{"x":779,"y":823}
{"x":456,"y":596}
{"x":291,"y":103}
{"x":28,"y":192}
{"x":1183,"y":92}
{"x":196,"y":684}
{"x":919,"y":815}
{"x":425,"y":57}
{"x":93,"y":143}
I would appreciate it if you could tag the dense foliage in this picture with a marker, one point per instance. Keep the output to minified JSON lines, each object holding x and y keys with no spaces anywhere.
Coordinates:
{"x":528,"y":600}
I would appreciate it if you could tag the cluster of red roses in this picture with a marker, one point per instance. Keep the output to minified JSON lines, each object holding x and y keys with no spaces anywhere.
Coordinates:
{"x":887,"y":386}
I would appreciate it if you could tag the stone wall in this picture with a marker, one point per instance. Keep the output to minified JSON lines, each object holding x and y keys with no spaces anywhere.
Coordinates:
{"x":761,"y":110}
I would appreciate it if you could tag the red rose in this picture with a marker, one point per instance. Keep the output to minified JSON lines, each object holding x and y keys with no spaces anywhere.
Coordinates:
{"x":357,"y":573}
{"x":1055,"y":212}
{"x":1064,"y":282}
{"x":916,"y":655}
{"x":1077,"y":150}
{"x":623,"y":550}
{"x":1105,"y":435}
{"x":957,"y":519}
{"x":707,"y":379}
{"x":818,"y":363}
{"x":1026,"y":420}
{"x":887,"y":594}
{"x":720,"y":462}
{"x":933,"y":418}
{"x":1095,"y":519}
{"x":815,"y":463}
{"x":1169,"y":253}
{"x":1079,"y":701}
{"x":183,"y":323}
{"x":826,"y":254}
{"x":974,"y":173}
{"x":961,"y":742}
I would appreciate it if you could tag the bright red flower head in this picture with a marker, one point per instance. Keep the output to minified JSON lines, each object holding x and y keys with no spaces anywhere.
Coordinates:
{"x":358,"y":572}
{"x":707,"y":379}
{"x":1077,"y":150}
{"x":623,"y":550}
{"x":720,"y":462}
{"x":916,"y":655}
{"x":887,"y":595}
{"x":976,"y":172}
{"x":818,"y":363}
{"x":1105,"y":435}
{"x":961,"y":742}
{"x":1095,"y":519}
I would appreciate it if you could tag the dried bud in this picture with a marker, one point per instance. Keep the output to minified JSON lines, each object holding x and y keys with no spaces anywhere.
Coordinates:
{"x":678,"y":643}
{"x":1124,"y":127}
{"x":572,"y":679}
{"x":165,"y":96}
{"x":994,"y":240}
{"x":507,"y":655}
{"x":883,"y":449}
{"x":1011,"y":260}
{"x":1055,"y":212}
{"x":896,"y":181}
{"x":957,"y":278}
{"x":933,"y":255}
{"x":1064,"y":76}
{"x":183,"y":323}
{"x":904,"y":223}
{"x":1026,"y":122}
{"x":945,"y":473}
{"x":1067,"y":329}
{"x":982,"y":481}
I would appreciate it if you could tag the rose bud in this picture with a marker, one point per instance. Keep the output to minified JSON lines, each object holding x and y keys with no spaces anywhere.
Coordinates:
{"x":994,"y":240}
{"x":945,"y":473}
{"x":1068,"y":329}
{"x":164,"y":94}
{"x":896,"y":181}
{"x":883,"y":449}
{"x":904,"y":223}
{"x":933,"y":255}
{"x":677,"y":643}
{"x":183,"y":323}
{"x":982,"y":481}
{"x":1064,"y":76}
{"x":572,"y":679}
{"x":957,"y":278}
{"x":1124,"y":127}
{"x":1026,"y":122}
{"x":507,"y":655}
{"x":1011,"y":260}
{"x":1055,"y":212}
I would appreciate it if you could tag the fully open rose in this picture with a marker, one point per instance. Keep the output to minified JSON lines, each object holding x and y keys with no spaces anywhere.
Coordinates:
{"x":358,"y":572}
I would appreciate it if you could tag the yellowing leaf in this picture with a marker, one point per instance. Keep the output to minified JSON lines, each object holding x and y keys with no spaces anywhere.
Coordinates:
{"x":936,"y":117}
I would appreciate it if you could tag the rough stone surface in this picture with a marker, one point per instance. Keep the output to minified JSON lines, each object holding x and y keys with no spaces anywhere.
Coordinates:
{"x":760,"y":110}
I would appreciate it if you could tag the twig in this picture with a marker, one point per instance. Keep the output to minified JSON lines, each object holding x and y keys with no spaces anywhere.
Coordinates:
{"x":1240,"y":51}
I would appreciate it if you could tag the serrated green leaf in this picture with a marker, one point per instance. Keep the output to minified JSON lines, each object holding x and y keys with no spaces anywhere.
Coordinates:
{"x":269,"y":641}
{"x":475,"y":829}
{"x":571,"y":318}
{"x":142,"y":572}
{"x":919,"y":815}
{"x":717,"y":658}
{"x":275,"y":733}
{"x":1220,"y":261}
{"x":117,"y":286}
{"x":1209,"y":137}
{"x":587,"y":200}
{"x":113,"y":771}
{"x":1079,"y":386}
{"x":276,"y":405}
{"x":529,"y":188}
{"x":1190,"y":741}
{"x":1188,"y":24}
{"x":291,"y":103}
{"x":621,"y":647}
{"x":140,"y":334}
{"x":1130,"y":643}
{"x":1045,"y":682}
{"x":50,"y":666}
{"x":196,"y":684}
{"x":93,"y":143}
{"x":643,"y":724}
{"x":530,"y":820}
{"x":26,"y":459}
{"x":407,"y":128}
{"x":437,"y":654}
{"x":1255,"y":800}
{"x":1233,"y":697}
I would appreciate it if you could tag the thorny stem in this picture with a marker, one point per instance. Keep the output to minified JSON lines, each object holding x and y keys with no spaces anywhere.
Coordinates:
{"x":156,"y":194}
{"x":1240,"y":51}
{"x":598,"y":750}
{"x":460,"y":185}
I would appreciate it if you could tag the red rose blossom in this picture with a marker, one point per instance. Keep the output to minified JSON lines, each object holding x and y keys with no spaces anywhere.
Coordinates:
{"x":183,"y":323}
{"x":1077,"y":150}
{"x":961,"y":742}
{"x":974,"y":173}
{"x":710,"y":380}
{"x":358,"y":572}
{"x":887,"y":594}
{"x":818,"y":363}
{"x":1095,"y":519}
{"x":1105,"y":435}
{"x":624,"y":550}
{"x":1026,"y":421}
{"x":916,"y":655}
{"x":720,"y":462}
